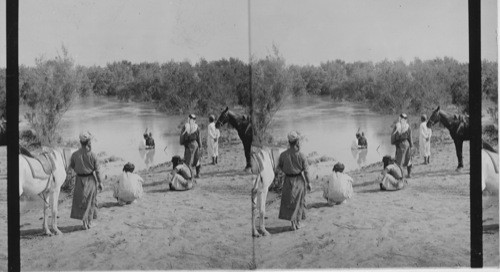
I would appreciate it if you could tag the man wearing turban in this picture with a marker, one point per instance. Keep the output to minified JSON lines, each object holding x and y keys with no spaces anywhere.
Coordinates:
{"x":88,"y":182}
{"x":293,"y":196}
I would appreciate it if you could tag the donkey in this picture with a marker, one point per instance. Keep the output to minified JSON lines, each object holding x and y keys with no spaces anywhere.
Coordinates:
{"x":243,"y":125}
{"x":457,"y":125}
{"x":264,"y":163}
{"x":45,"y":180}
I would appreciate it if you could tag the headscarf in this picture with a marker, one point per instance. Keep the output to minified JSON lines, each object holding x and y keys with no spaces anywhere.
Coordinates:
{"x":423,"y":118}
{"x":211,"y":118}
{"x":402,"y":126}
{"x":191,"y":126}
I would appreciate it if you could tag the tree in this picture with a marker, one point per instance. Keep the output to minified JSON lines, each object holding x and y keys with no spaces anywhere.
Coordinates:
{"x":270,"y":86}
{"x":53,"y":86}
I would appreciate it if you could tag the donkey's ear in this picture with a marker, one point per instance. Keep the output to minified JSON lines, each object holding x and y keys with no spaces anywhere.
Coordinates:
{"x":438,"y":107}
{"x":227,"y":108}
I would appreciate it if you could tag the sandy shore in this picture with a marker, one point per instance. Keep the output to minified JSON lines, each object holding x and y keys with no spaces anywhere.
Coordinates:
{"x":425,"y":225}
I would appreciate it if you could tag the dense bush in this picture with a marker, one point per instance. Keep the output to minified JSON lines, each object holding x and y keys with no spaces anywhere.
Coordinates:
{"x":206,"y":86}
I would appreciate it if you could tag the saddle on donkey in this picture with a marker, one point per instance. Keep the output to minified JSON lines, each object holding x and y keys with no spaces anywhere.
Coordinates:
{"x":463,"y":123}
{"x":42,"y":165}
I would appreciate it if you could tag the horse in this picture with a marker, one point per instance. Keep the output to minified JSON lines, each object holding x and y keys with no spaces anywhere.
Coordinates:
{"x":243,"y":125}
{"x":264,"y":163}
{"x":457,"y":125}
{"x":47,"y":186}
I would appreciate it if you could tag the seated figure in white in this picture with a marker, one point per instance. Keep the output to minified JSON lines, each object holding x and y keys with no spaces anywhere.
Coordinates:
{"x":182,"y":177}
{"x":339,"y":188}
{"x":129,"y":186}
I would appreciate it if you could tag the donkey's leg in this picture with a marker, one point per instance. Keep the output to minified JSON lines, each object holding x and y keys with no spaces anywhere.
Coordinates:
{"x":54,"y":198}
{"x":247,"y":146}
{"x":458,"y":148}
{"x":255,"y":233}
{"x":45,"y":219}
{"x":262,"y":196}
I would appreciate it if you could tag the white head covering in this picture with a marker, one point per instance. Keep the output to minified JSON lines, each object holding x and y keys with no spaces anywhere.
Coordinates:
{"x":191,"y":126}
{"x":85,"y":136}
{"x":402,"y":126}
{"x":293,"y":136}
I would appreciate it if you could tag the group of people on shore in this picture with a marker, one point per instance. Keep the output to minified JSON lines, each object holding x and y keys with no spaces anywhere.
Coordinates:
{"x":292,"y":162}
{"x":393,"y":176}
{"x":128,"y":188}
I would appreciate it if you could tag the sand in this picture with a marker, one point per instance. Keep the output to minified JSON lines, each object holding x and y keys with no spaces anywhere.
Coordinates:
{"x":424,"y":225}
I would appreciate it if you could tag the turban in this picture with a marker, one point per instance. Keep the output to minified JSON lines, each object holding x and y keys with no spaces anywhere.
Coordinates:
{"x":192,"y":116}
{"x":293,"y":136}
{"x":404,"y":116}
{"x":85,"y":136}
{"x":338,"y":167}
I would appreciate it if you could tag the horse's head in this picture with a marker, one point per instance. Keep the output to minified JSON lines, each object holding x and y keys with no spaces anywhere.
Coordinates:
{"x":223,"y":118}
{"x":435,"y":118}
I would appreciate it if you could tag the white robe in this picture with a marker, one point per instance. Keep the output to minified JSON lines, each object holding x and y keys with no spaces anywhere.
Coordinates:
{"x":213,"y":140}
{"x":338,"y":189}
{"x":424,"y":145}
{"x":129,"y":187}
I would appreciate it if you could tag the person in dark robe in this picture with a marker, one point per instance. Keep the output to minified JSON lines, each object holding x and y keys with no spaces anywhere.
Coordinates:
{"x":293,"y":196}
{"x":88,"y":182}
{"x":401,"y":137}
{"x":192,"y":144}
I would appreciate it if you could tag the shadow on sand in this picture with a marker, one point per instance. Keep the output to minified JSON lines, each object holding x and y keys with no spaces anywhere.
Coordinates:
{"x":276,"y":230}
{"x":108,"y":205}
{"x":490,"y":229}
{"x":34,"y":233}
{"x":318,"y":205}
{"x":376,"y":190}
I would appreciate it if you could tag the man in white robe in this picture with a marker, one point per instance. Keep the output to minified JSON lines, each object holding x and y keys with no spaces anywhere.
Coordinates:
{"x":424,"y":140}
{"x":213,"y":140}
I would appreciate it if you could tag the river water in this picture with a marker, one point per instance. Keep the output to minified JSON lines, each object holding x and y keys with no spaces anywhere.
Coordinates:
{"x":329,"y":129}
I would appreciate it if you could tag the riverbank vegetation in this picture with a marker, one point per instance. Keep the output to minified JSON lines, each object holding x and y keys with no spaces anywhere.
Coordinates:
{"x":207,"y":86}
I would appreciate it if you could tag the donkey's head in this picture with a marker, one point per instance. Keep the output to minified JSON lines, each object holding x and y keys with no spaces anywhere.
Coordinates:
{"x":223,"y":118}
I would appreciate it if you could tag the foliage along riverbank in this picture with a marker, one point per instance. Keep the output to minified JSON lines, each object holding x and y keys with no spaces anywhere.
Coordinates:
{"x":389,"y":86}
{"x":50,"y":86}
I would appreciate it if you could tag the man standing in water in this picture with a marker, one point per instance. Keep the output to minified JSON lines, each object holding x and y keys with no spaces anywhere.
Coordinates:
{"x":190,"y":136}
{"x":88,"y":182}
{"x":293,"y":196}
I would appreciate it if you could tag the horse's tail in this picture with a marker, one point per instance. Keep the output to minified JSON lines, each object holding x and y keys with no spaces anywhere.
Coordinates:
{"x":488,"y":147}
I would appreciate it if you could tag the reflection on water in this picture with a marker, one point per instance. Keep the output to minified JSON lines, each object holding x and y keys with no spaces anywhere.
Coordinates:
{"x":329,"y":129}
{"x":147,"y":156}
